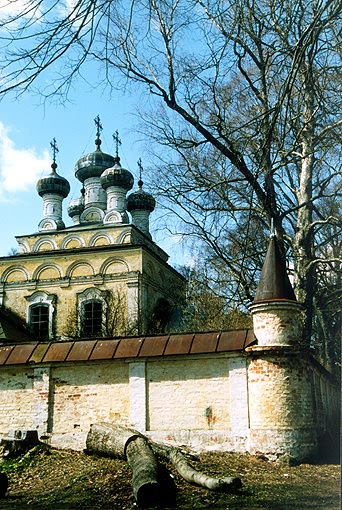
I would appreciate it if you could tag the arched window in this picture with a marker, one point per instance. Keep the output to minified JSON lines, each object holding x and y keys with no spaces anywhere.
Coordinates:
{"x":91,"y":318}
{"x":40,"y":314}
{"x":92,"y":312}
{"x":39,"y":321}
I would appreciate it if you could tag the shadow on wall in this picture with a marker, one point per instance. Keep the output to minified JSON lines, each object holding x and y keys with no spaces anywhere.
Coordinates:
{"x":329,"y":444}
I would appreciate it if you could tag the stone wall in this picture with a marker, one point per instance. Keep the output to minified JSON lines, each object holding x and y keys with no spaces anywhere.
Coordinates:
{"x":194,"y":399}
{"x":273,"y":404}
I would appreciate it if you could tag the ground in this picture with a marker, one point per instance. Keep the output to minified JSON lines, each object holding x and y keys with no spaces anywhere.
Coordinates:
{"x":66,"y":480}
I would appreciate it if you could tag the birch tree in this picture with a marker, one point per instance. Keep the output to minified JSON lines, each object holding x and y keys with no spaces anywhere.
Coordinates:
{"x":245,"y":103}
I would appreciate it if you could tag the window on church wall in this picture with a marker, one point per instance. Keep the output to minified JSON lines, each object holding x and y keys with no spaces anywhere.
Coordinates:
{"x":41,"y":314}
{"x":92,"y":313}
{"x":39,"y":321}
{"x":91,"y":318}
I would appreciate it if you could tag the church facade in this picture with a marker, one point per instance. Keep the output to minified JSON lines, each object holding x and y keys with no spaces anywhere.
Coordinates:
{"x":78,"y":304}
{"x":102,"y":276}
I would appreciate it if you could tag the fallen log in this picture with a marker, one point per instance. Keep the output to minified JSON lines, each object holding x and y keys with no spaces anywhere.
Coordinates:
{"x":124,"y":443}
{"x":191,"y":475}
{"x":148,"y":484}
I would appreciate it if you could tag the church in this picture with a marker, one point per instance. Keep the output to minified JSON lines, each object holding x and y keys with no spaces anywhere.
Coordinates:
{"x":86,"y":320}
{"x":102,"y":276}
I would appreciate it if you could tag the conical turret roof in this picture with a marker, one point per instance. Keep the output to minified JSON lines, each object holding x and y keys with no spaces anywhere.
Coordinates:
{"x":274,"y":281}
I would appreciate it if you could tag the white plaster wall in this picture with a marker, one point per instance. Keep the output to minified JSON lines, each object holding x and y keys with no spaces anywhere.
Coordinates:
{"x":188,"y":394}
{"x":16,"y":399}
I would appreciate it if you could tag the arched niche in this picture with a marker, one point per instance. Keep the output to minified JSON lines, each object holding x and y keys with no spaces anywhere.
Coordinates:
{"x":100,"y":240}
{"x":114,"y":266}
{"x":78,"y":269}
{"x":14,"y":274}
{"x":72,"y":242}
{"x":47,"y":272}
{"x":45,"y":244}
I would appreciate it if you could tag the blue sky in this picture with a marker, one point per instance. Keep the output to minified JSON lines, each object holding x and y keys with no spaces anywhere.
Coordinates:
{"x":26,"y":130}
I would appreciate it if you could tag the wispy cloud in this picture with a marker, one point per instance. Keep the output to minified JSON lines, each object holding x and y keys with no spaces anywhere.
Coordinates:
{"x":20,"y":168}
{"x":14,"y":10}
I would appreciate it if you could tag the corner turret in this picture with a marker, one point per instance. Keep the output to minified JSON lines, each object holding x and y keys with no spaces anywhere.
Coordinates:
{"x":277,"y":315}
{"x":280,"y":405}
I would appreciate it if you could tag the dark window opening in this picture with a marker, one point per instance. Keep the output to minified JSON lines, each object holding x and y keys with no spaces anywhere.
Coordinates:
{"x":39,"y":321}
{"x":91,"y":318}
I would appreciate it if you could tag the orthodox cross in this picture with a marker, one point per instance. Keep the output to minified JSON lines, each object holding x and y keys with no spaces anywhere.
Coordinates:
{"x":98,"y":131}
{"x":140,"y":182}
{"x":117,"y":142}
{"x":55,"y":150}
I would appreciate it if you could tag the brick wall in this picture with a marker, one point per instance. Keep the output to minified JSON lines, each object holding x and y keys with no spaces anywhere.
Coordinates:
{"x":281,"y":396}
{"x":273,"y":403}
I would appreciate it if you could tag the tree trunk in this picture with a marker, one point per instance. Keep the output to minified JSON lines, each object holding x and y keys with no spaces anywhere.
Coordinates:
{"x":191,"y":475}
{"x":150,"y":485}
{"x":128,"y":444}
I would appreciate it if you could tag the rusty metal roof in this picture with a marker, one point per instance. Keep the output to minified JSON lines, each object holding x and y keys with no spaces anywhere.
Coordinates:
{"x":121,"y":348}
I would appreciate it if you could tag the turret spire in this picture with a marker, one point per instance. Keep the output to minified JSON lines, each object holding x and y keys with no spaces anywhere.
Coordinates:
{"x":274,"y":282}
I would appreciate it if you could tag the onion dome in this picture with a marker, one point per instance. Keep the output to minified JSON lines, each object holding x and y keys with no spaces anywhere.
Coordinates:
{"x":140,"y":200}
{"x":76,"y":206}
{"x":117,"y":176}
{"x":53,"y":183}
{"x":94,"y":163}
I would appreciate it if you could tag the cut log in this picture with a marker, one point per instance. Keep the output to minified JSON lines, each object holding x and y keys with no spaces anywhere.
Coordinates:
{"x":145,"y":478}
{"x":148,"y":489}
{"x":128,"y":444}
{"x":110,"y":440}
{"x":191,"y":475}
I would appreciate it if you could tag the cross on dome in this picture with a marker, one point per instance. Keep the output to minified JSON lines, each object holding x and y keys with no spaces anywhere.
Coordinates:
{"x":140,"y":182}
{"x":117,"y":141}
{"x":99,"y":128}
{"x":55,"y":151}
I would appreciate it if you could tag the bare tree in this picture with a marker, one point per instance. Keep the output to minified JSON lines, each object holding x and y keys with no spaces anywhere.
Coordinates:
{"x":248,"y":88}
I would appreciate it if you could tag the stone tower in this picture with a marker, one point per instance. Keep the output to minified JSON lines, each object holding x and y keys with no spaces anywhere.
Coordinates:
{"x":281,"y":409}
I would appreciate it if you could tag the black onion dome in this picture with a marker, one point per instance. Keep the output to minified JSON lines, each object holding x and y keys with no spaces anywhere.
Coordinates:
{"x":53,"y":183}
{"x":93,"y":164}
{"x":76,"y":207}
{"x":140,"y":200}
{"x":117,"y":176}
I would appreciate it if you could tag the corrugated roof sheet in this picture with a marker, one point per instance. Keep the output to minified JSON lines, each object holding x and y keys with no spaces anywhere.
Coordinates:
{"x":120,"y":348}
